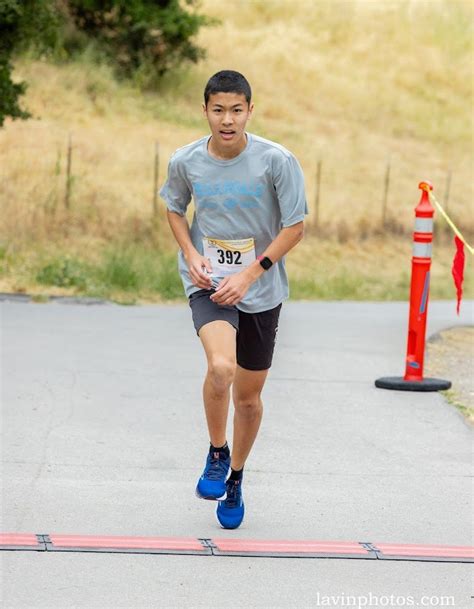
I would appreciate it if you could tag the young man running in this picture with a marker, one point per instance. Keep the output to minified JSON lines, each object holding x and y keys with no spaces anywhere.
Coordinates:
{"x":250,"y":204}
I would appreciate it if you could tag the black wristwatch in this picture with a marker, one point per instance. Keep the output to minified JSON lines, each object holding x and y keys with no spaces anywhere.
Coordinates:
{"x":265,"y":262}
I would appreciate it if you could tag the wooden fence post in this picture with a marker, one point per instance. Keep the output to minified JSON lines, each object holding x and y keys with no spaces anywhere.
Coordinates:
{"x":155,"y":179}
{"x":317,"y":199}
{"x":67,"y":196}
{"x":385,"y":193}
{"x":446,"y":192}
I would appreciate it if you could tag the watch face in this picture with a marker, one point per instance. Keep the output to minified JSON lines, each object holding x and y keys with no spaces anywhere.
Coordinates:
{"x":266,"y":263}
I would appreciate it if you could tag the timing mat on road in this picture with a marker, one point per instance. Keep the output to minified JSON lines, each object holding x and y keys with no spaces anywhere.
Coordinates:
{"x":229,"y":546}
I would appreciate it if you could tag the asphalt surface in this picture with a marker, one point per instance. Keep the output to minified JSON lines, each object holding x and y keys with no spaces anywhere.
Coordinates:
{"x":103,"y":433}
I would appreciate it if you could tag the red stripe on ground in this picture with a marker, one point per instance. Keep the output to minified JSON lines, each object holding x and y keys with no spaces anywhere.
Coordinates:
{"x":18,"y":539}
{"x":407,"y":549}
{"x":112,"y":541}
{"x":241,"y":546}
{"x":276,"y":546}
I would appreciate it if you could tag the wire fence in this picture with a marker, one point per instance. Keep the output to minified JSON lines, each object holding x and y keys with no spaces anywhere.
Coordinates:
{"x":322,"y":221}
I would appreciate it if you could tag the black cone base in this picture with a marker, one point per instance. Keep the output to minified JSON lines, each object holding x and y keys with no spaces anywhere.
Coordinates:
{"x":398,"y":383}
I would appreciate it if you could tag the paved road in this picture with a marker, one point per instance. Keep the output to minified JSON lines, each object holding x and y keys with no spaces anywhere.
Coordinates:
{"x":104,"y":434}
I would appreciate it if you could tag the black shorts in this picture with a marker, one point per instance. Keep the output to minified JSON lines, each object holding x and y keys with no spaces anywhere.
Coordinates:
{"x":256,"y":332}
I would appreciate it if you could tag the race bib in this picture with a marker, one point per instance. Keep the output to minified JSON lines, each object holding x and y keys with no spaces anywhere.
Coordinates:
{"x":229,"y":256}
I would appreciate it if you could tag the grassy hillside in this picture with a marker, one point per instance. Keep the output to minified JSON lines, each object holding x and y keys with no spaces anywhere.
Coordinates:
{"x":352,"y":84}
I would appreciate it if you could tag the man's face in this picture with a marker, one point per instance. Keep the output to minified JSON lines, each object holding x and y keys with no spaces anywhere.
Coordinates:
{"x":227,"y":114}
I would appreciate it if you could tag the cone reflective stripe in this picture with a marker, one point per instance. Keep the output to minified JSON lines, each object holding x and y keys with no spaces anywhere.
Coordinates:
{"x":422,"y":250}
{"x":419,"y":296}
{"x":420,"y":285}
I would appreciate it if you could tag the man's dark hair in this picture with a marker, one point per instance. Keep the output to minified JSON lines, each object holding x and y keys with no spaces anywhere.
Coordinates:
{"x":227,"y":81}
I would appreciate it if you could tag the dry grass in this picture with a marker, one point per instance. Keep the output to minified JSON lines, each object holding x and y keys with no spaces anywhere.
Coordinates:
{"x":352,"y":83}
{"x":450,"y":355}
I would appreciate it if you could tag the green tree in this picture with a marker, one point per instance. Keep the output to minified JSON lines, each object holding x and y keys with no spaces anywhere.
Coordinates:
{"x":154,"y":35}
{"x":23,"y":23}
{"x":133,"y":34}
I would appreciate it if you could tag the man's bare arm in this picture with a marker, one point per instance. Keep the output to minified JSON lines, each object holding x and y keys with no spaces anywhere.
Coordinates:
{"x":180,"y":228}
{"x":233,"y":288}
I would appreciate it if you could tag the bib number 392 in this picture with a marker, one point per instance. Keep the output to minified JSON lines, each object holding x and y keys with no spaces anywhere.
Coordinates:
{"x":229,"y":256}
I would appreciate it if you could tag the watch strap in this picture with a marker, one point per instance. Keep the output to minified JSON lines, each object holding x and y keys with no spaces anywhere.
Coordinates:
{"x":265,"y":262}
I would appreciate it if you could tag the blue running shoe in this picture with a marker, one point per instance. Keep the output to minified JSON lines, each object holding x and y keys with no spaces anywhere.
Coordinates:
{"x":211,"y":484}
{"x":230,"y":511}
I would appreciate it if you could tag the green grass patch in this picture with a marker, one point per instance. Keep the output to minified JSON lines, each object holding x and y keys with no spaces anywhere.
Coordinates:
{"x":349,"y":286}
{"x":128,"y":272}
{"x":3,"y":259}
{"x":123,"y":274}
{"x":452,"y":398}
{"x":64,"y":272}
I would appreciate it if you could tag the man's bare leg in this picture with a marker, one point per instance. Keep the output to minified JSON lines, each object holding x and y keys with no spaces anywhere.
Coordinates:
{"x":218,"y":339}
{"x":246,"y":392}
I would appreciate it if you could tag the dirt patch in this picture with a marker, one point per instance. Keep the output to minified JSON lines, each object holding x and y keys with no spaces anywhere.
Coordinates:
{"x":450,"y":355}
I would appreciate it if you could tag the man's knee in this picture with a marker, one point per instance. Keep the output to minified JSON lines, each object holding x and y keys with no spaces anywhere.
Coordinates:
{"x":221,"y":372}
{"x":248,"y":406}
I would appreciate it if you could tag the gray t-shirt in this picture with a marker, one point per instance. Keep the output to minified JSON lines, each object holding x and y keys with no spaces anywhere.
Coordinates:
{"x":255,"y":194}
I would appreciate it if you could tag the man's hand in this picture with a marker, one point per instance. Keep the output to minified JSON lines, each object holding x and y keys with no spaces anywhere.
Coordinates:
{"x":197,"y":265}
{"x":232,"y":289}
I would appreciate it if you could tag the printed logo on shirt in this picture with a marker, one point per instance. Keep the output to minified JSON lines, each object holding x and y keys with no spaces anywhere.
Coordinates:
{"x":228,"y":187}
{"x":232,"y":194}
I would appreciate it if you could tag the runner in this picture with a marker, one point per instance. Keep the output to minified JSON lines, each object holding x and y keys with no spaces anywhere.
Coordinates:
{"x":250,"y":204}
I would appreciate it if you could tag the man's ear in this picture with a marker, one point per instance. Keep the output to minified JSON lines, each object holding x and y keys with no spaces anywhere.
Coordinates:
{"x":204,"y":110}
{"x":250,"y":110}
